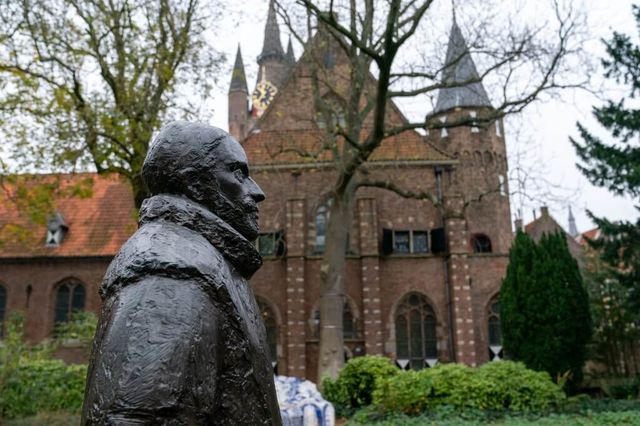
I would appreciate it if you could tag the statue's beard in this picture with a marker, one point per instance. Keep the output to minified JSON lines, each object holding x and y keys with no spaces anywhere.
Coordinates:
{"x":243,"y":217}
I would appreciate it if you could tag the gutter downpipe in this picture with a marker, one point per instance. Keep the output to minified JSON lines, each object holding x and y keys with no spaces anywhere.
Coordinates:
{"x":447,"y":283}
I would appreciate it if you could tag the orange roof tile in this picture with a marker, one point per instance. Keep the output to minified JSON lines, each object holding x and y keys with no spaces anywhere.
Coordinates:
{"x":592,"y":234}
{"x":98,"y":223}
{"x":309,"y":146}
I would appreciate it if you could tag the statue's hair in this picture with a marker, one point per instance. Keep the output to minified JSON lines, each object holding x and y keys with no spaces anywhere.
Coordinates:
{"x":178,"y":155}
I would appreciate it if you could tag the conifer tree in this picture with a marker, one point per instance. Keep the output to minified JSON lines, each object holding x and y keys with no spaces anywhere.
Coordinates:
{"x":616,"y":166}
{"x":545,"y":308}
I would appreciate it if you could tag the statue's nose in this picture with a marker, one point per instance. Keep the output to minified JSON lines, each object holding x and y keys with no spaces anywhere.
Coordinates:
{"x":256,"y":192}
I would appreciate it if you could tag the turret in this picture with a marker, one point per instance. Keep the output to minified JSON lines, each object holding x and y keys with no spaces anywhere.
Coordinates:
{"x":479,"y":146}
{"x":238,"y":100}
{"x":290,"y":57}
{"x":573,"y":229}
{"x":272,"y":61}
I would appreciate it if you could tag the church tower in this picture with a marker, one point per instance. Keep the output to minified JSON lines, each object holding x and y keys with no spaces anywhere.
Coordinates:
{"x":272,"y":61}
{"x":479,"y":146}
{"x":238,"y":100}
{"x":477,"y":217}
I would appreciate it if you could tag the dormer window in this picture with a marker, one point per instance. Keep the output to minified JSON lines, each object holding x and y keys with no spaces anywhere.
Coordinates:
{"x":56,"y":230}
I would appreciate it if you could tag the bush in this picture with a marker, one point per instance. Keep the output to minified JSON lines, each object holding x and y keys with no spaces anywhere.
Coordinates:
{"x":31,"y":382}
{"x":407,"y":392}
{"x":494,"y":386}
{"x":357,"y":380}
{"x":81,"y":328}
{"x":43,"y":386}
{"x":511,"y":385}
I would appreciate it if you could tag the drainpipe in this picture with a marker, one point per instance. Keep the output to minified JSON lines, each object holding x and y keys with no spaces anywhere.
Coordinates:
{"x":447,"y":283}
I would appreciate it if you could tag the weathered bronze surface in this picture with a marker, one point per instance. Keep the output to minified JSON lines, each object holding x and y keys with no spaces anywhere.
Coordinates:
{"x":180,"y":339}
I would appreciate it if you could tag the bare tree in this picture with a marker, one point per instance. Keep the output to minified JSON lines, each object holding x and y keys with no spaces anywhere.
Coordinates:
{"x":356,"y":101}
{"x":84,"y":84}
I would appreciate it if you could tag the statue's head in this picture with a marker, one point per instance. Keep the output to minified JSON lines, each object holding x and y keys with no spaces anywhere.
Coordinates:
{"x":207,"y":165}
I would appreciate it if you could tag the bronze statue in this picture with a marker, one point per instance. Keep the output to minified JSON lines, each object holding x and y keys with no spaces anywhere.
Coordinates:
{"x":180,"y":339}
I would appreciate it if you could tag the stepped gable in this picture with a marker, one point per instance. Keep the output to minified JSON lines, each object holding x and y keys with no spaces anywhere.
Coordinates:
{"x":459,"y":67}
{"x":98,"y":224}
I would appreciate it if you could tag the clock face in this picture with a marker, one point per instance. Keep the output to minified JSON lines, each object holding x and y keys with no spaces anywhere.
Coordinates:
{"x":262,"y":97}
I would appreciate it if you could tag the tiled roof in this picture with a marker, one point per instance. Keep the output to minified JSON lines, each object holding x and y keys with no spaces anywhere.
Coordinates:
{"x":98,"y":224}
{"x":459,"y":69}
{"x":307,"y":146}
{"x":592,"y":234}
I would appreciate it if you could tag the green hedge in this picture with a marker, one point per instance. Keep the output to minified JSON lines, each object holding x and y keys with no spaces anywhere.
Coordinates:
{"x":494,"y":386}
{"x":42,"y":386}
{"x":355,"y":384}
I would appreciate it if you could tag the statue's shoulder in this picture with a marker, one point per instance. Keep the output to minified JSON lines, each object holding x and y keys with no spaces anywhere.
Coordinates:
{"x":162,"y":248}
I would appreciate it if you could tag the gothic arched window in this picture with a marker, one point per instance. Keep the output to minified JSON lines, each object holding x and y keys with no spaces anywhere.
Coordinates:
{"x":69,"y":298}
{"x":3,"y":305}
{"x":349,"y":322}
{"x":321,"y":228}
{"x":481,"y":243}
{"x":416,"y":340}
{"x":271,"y":326}
{"x":494,"y":330}
{"x":349,"y":329}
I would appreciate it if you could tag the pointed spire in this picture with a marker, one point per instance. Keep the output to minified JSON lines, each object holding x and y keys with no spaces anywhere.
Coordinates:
{"x":238,"y":78}
{"x":290,"y":57}
{"x":459,"y":67}
{"x":272,"y":46}
{"x":573,"y":229}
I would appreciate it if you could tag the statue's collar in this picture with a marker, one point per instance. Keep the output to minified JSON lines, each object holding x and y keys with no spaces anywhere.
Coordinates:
{"x":239,"y":251}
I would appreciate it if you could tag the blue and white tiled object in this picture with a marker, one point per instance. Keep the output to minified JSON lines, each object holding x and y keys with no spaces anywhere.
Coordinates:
{"x":301,"y":404}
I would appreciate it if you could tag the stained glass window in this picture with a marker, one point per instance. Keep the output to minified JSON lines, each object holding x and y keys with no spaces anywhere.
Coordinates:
{"x":416,"y":337}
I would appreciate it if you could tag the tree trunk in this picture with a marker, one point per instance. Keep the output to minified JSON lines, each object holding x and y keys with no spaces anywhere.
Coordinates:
{"x":332,"y":299}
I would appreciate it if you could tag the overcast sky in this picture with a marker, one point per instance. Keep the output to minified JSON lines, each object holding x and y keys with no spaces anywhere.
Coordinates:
{"x":540,"y":135}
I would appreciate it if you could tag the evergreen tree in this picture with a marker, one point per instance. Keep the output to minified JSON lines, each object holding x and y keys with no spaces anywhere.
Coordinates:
{"x":544,"y":307}
{"x":617,"y":166}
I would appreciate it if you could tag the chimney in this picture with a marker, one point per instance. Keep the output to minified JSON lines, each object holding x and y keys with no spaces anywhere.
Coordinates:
{"x":544,"y":211}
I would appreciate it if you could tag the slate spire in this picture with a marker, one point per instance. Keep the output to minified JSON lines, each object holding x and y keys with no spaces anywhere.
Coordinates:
{"x":238,"y":77}
{"x":290,"y":57}
{"x":459,"y":67}
{"x":272,"y":47}
{"x":573,"y":229}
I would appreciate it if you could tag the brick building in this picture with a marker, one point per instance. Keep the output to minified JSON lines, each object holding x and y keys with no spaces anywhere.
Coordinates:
{"x":421,"y":282}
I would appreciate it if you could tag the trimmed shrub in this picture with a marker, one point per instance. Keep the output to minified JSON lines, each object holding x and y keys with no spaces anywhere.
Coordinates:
{"x":452,"y":384}
{"x":511,"y":385}
{"x":407,"y":392}
{"x":494,"y":386}
{"x":357,"y":380}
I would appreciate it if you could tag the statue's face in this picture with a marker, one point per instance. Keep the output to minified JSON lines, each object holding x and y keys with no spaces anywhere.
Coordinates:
{"x":236,"y":195}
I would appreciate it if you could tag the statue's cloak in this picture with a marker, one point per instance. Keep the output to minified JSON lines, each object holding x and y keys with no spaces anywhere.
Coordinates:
{"x":180,"y":339}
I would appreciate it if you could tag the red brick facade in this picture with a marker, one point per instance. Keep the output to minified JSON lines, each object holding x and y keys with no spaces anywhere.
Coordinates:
{"x":458,"y":283}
